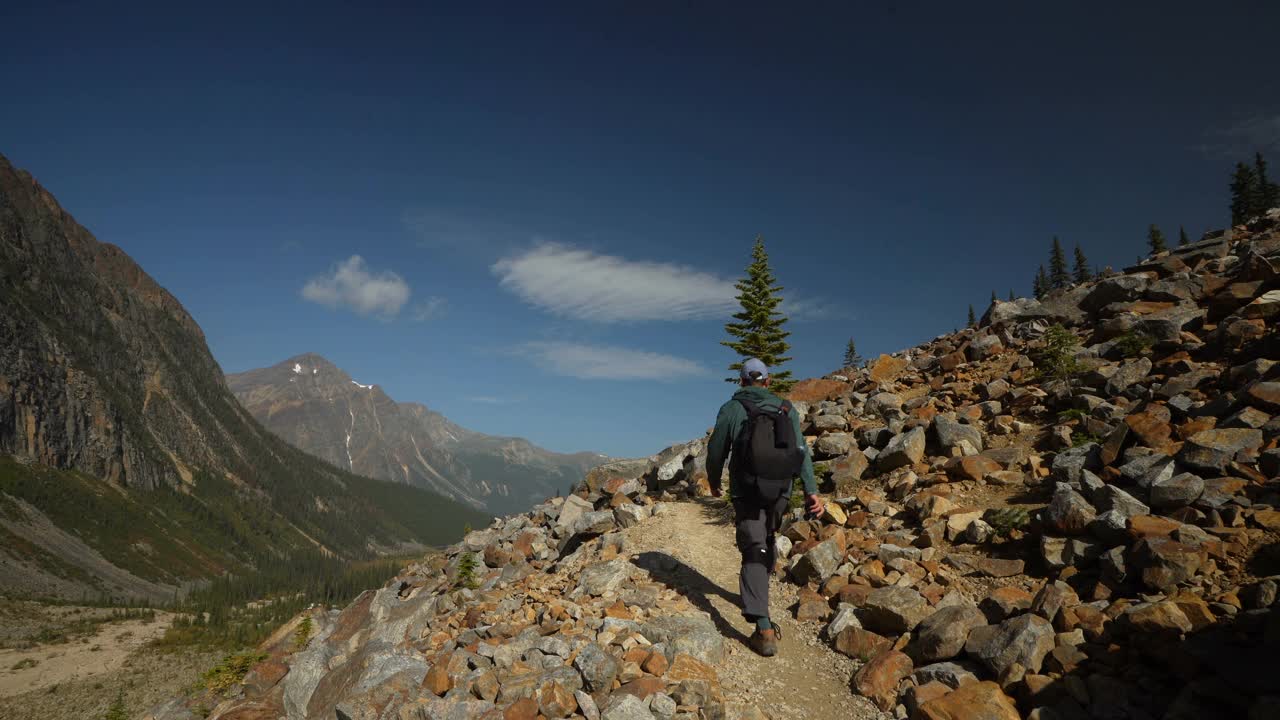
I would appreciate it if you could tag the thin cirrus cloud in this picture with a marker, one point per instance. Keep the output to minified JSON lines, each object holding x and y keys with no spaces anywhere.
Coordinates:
{"x":607,"y":362}
{"x":589,"y":286}
{"x":350,"y":284}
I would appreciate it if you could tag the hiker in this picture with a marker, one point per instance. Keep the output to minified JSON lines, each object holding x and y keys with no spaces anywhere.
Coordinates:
{"x":763,"y":430}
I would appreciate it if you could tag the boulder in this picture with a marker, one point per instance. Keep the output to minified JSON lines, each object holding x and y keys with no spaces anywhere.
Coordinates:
{"x":1068,"y":512}
{"x":1013,"y":312}
{"x":1128,"y":374}
{"x":974,"y":701}
{"x":835,"y":444}
{"x":860,"y":644}
{"x":603,"y":577}
{"x":942,"y":635}
{"x":1165,"y":563}
{"x":893,"y":610}
{"x":819,"y":563}
{"x":1013,"y":648}
{"x":1213,"y":450}
{"x":886,"y":368}
{"x":830,"y":423}
{"x":878,"y":680}
{"x":950,"y":434}
{"x":1111,"y":498}
{"x":904,"y":449}
{"x":1178,"y":491}
{"x":598,"y":668}
{"x":624,"y":706}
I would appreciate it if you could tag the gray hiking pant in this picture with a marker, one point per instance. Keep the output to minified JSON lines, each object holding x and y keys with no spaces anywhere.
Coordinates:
{"x":757,"y":523}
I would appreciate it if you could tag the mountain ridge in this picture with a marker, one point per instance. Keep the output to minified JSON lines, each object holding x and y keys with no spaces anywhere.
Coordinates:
{"x":117,"y":430}
{"x":319,"y":408}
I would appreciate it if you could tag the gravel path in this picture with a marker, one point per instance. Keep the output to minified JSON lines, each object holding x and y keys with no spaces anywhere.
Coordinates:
{"x":807,"y":679}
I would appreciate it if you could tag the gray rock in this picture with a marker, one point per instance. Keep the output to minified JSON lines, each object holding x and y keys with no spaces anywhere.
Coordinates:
{"x":1053,"y":550}
{"x":597,"y":666}
{"x":950,"y":433}
{"x":1111,"y":498}
{"x":983,"y":347}
{"x":1213,"y":450}
{"x":835,"y":444}
{"x":662,"y":705}
{"x":1128,"y":374}
{"x":888,"y":552}
{"x":573,"y":508}
{"x":1013,"y":312}
{"x":884,"y":404}
{"x":1068,"y":512}
{"x":1178,"y":491}
{"x":942,"y":635}
{"x":819,"y":563}
{"x":1122,"y":288}
{"x":1013,"y":648}
{"x":953,"y":675}
{"x":692,"y":635}
{"x":905,"y":449}
{"x":893,"y":610}
{"x":846,"y":617}
{"x":587,"y":705}
{"x":1068,"y":464}
{"x":625,"y":706}
{"x":830,"y":423}
{"x":628,"y":515}
{"x":603,"y":577}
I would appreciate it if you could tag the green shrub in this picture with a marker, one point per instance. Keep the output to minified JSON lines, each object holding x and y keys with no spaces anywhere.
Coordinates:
{"x":302,"y":635}
{"x":1072,"y":414}
{"x":117,"y":710}
{"x":1005,"y":520}
{"x":1056,"y":358}
{"x":467,"y":571}
{"x":231,"y":670}
{"x":1134,"y":344}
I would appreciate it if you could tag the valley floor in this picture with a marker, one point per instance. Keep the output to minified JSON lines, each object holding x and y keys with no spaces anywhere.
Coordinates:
{"x":60,"y":669}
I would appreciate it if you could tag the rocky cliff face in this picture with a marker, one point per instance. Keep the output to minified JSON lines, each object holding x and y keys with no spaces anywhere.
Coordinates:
{"x":1002,"y":541}
{"x":105,"y":377}
{"x":318,"y":408}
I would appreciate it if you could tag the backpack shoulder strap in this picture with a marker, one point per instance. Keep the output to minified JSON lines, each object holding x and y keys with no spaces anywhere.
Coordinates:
{"x":750,"y":407}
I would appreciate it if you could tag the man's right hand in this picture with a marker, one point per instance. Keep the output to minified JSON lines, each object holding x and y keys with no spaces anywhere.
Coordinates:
{"x":814,"y":508}
{"x":716,"y":491}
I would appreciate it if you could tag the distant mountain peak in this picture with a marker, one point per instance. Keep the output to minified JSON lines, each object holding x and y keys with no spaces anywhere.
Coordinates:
{"x":319,"y":408}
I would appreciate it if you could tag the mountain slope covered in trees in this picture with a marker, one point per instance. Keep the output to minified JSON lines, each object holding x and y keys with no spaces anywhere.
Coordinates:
{"x":126,"y":465}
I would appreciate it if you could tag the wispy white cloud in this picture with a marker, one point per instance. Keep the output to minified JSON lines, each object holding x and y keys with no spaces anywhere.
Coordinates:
{"x":1260,"y":131}
{"x":606,"y":288}
{"x":352,"y":285}
{"x":607,"y":362}
{"x":429,"y":309}
{"x":496,"y":400}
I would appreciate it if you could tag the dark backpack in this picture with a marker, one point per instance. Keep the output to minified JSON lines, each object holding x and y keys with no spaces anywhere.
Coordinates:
{"x":771,"y":453}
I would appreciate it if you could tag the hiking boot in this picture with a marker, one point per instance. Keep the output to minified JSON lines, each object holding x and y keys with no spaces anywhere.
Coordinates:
{"x":765,"y":642}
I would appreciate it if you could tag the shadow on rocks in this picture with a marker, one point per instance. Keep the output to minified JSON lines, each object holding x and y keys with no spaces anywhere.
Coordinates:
{"x":693,"y":585}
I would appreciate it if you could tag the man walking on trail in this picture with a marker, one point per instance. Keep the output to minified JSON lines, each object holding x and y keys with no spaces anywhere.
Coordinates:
{"x":763,"y":431}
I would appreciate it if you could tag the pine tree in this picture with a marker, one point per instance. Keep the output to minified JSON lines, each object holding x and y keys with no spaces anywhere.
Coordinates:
{"x":1011,"y":298}
{"x":993,"y":297}
{"x":851,"y":356}
{"x":972,"y":321}
{"x":117,"y":709}
{"x":1081,"y":270}
{"x":1266,"y":193}
{"x":1058,"y":276}
{"x":1155,"y":239}
{"x":1182,"y":236}
{"x":1243,"y":193}
{"x":758,"y":328}
{"x":1040,"y":287}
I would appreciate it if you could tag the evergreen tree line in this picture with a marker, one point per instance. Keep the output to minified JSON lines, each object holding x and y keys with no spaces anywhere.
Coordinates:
{"x":1252,"y":192}
{"x":240,"y":611}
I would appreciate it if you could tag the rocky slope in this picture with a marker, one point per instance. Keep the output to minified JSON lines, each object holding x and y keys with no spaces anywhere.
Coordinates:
{"x":126,"y":466}
{"x":318,"y":408}
{"x":1002,"y":541}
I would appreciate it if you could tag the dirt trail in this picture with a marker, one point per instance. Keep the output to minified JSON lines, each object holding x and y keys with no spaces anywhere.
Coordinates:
{"x":807,"y":679}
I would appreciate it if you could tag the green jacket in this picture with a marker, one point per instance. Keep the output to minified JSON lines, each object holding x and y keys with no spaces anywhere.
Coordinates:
{"x":730,"y":422}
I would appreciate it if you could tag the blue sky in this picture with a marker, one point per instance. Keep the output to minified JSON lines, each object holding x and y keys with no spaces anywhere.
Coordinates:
{"x":528,"y":217}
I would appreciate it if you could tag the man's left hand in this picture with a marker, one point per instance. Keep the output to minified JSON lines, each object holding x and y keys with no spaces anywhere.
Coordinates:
{"x":814,"y":506}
